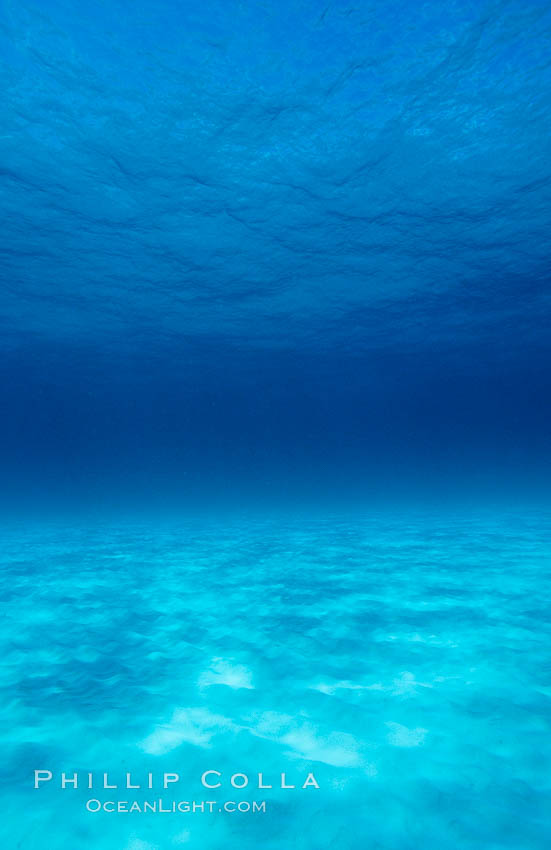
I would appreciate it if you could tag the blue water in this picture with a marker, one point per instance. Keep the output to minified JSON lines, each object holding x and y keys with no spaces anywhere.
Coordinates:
{"x":275,"y":251}
{"x":403,"y":660}
{"x":275,"y":388}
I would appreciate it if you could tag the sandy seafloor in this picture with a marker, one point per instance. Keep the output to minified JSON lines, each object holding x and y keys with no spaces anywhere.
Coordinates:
{"x":405,"y":661}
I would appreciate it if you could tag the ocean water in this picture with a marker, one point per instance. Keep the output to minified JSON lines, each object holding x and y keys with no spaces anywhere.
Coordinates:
{"x":275,"y":394}
{"x":260,"y":253}
{"x":403,"y":659}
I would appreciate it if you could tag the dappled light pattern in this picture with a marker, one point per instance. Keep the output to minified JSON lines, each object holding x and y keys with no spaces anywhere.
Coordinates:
{"x":401,"y":660}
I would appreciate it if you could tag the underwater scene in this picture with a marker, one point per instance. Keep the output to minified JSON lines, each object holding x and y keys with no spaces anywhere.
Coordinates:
{"x":275,"y":443}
